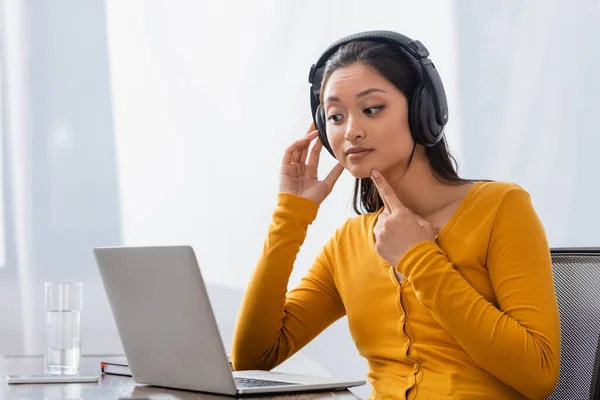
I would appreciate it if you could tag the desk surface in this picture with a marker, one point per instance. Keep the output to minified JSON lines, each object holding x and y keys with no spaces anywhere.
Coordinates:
{"x":110,"y":386}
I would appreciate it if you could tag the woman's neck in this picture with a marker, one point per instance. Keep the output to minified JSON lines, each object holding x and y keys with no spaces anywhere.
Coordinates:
{"x":417,"y":188}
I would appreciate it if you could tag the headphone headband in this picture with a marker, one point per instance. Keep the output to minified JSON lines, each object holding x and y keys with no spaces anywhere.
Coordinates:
{"x":414,"y":48}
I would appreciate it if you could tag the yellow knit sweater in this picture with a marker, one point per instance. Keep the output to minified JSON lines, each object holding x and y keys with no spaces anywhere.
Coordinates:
{"x":475,"y":316}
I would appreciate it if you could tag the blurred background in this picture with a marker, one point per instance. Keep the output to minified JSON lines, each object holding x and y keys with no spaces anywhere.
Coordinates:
{"x":162,"y":122}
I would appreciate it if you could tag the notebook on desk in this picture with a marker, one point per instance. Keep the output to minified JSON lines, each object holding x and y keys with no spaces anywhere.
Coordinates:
{"x":168,"y":330}
{"x":115,"y":368}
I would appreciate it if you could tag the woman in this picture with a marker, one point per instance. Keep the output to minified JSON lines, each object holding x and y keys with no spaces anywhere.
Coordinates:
{"x":447,"y":283}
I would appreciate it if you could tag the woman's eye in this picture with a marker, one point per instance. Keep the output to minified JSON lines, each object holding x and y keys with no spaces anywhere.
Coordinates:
{"x":373,"y":110}
{"x":334,"y":117}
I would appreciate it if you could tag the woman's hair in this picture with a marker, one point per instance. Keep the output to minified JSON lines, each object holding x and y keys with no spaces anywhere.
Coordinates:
{"x":404,"y":72}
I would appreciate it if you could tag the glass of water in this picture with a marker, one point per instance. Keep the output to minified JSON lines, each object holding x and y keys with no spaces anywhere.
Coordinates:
{"x":64,"y":301}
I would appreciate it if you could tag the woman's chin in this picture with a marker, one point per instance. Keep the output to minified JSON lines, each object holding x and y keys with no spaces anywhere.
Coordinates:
{"x":359,"y":171}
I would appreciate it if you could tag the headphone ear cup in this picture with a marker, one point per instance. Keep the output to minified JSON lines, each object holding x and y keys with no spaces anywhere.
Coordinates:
{"x":414,"y":122}
{"x":320,"y":125}
{"x":423,"y":125}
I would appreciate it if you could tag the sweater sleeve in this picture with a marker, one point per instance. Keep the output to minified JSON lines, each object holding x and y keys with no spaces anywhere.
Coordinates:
{"x":273,"y":323}
{"x":517,"y":341}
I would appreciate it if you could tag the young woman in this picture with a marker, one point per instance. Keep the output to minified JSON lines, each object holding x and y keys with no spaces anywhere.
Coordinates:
{"x":447,"y":283}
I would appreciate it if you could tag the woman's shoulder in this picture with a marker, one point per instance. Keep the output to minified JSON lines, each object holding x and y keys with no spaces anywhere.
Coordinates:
{"x":497,"y":189}
{"x":489,"y":196}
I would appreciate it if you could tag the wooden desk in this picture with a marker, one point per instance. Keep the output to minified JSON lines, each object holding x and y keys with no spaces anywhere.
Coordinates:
{"x":110,"y":386}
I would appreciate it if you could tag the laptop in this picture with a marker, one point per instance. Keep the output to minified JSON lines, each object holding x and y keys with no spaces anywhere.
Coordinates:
{"x":168,"y":330}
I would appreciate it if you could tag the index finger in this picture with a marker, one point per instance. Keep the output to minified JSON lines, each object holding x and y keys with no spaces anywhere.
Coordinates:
{"x":390,"y":200}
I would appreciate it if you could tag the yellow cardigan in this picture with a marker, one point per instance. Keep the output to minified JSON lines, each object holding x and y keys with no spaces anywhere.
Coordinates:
{"x":475,"y":316}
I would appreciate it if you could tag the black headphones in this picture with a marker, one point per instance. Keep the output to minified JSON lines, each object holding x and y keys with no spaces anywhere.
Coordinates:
{"x":428,"y":108}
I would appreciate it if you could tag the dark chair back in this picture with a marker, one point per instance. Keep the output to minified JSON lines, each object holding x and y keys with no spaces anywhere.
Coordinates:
{"x":577,"y":283}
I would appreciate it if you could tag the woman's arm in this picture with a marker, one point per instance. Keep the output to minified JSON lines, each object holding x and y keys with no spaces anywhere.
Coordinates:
{"x":272,"y":324}
{"x":519,"y":340}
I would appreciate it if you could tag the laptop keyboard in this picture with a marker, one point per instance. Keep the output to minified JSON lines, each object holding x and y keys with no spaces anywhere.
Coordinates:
{"x":248,"y":383}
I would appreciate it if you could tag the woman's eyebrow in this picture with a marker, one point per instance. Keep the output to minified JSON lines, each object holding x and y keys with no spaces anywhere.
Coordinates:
{"x":369,"y":91}
{"x":365,"y":92}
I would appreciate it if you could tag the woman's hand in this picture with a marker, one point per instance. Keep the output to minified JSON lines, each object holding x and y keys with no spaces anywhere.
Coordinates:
{"x":397,"y":228}
{"x":299,"y":176}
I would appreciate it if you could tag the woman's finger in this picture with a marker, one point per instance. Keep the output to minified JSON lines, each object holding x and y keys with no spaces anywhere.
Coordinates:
{"x":297,"y":154}
{"x":315,"y":154}
{"x":289,"y":152}
{"x":305,"y":141}
{"x":304,"y":155}
{"x":333,"y":176}
{"x":302,"y":149}
{"x":311,"y":128}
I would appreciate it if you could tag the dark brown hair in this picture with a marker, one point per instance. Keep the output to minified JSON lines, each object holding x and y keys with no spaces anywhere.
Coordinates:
{"x":404,"y":72}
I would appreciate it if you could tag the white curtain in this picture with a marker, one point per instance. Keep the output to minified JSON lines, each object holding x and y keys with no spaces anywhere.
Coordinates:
{"x":155,"y":122}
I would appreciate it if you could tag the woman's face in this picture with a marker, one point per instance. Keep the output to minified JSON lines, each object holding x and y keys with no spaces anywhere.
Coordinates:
{"x":366,"y":121}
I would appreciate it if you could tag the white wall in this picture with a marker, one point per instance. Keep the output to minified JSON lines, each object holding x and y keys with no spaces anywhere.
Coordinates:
{"x":204,"y":110}
{"x":155,"y":122}
{"x":529,"y":94}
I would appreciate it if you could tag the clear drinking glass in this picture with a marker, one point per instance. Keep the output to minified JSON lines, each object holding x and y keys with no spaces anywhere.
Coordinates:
{"x":64,"y":301}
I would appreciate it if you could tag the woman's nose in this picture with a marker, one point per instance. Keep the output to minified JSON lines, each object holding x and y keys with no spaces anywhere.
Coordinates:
{"x":354,"y":130}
